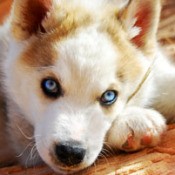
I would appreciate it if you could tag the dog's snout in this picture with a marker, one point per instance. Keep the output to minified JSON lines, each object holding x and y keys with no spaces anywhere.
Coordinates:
{"x":70,"y":153}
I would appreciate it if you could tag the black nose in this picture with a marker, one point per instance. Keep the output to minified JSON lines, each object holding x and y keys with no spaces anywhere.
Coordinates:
{"x":70,"y":153}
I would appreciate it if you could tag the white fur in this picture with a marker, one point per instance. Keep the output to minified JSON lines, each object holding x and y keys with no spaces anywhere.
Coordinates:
{"x":86,"y":68}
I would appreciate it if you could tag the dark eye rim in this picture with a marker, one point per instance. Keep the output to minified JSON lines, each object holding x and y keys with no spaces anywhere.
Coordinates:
{"x":54,"y":94}
{"x":103,"y":103}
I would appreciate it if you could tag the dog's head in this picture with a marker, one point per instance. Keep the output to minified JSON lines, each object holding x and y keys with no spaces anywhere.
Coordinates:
{"x":71,"y":68}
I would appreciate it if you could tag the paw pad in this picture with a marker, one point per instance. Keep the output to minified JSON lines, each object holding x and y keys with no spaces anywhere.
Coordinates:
{"x":132,"y":143}
{"x":147,"y":139}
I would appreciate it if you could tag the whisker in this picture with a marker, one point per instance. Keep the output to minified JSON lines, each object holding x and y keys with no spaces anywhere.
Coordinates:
{"x":21,"y":131}
{"x":28,"y":145}
{"x":106,"y":159}
{"x":109,"y":148}
{"x":32,"y":156}
{"x":32,"y":151}
{"x":106,"y":152}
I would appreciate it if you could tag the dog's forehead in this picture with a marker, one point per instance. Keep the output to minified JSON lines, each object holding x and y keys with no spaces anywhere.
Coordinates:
{"x":79,"y":30}
{"x":86,"y":56}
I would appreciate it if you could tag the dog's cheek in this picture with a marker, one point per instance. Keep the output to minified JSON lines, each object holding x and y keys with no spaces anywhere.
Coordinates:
{"x":43,"y":143}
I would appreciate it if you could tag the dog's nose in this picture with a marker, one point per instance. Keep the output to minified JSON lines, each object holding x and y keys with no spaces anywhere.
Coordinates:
{"x":70,"y":153}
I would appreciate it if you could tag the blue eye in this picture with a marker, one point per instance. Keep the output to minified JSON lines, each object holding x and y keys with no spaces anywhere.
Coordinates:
{"x":50,"y":85}
{"x":108,"y":97}
{"x":51,"y":88}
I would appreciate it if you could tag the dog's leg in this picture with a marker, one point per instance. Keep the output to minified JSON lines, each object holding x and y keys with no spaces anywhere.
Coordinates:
{"x":136,"y":128}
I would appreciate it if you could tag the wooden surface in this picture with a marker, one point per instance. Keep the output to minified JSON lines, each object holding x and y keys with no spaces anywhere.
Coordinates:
{"x":159,"y":160}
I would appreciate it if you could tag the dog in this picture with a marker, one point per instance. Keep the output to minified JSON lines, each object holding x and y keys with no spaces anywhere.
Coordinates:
{"x":79,"y":75}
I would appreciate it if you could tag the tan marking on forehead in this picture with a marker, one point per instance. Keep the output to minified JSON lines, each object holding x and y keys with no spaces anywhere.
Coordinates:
{"x":41,"y":52}
{"x":66,"y":23}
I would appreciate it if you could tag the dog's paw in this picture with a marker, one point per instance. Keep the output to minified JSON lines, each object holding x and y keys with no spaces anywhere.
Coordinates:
{"x":135,"y":129}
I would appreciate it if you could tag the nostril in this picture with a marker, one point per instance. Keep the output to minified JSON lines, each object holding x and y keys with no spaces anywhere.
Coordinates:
{"x":70,"y":153}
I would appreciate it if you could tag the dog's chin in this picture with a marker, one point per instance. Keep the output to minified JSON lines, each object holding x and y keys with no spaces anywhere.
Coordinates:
{"x":68,"y":170}
{"x":62,"y":169}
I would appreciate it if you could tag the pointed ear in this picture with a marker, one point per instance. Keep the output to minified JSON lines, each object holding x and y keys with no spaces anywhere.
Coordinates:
{"x":27,"y":16}
{"x":140,"y":19}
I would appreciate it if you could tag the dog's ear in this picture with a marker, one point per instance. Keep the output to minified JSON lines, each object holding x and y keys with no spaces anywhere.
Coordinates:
{"x":27,"y":16}
{"x":140,"y":19}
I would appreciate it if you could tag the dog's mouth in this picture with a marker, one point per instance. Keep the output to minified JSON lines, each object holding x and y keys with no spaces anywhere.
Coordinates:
{"x":68,"y":170}
{"x":64,"y":169}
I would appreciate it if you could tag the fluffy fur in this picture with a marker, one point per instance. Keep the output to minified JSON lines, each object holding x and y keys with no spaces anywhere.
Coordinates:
{"x":89,"y":47}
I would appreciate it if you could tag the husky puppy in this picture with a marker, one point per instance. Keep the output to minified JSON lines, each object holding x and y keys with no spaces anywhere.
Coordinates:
{"x":79,"y":74}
